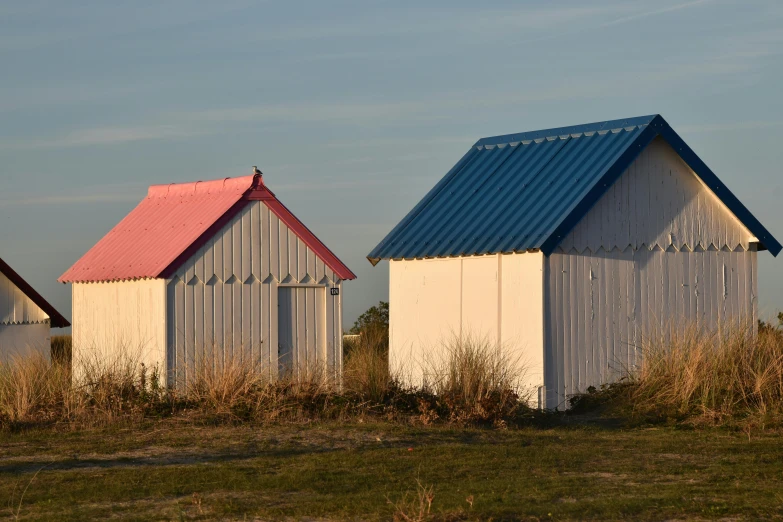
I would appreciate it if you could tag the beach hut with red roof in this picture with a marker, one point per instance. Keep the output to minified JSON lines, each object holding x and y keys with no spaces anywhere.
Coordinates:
{"x":200,"y":274}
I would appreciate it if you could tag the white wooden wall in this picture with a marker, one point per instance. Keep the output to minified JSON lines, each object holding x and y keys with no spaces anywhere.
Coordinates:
{"x":16,"y":307}
{"x":603,"y":307}
{"x":223,"y":302}
{"x":119,"y":322}
{"x":658,"y":201}
{"x":497,"y":297}
{"x":23,"y":340}
{"x":657,"y":251}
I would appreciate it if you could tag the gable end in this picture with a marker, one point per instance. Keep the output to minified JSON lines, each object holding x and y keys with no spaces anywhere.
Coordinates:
{"x":658,"y":202}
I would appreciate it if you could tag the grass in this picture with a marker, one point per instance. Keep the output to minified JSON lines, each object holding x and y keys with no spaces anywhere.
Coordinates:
{"x":372,"y":471}
{"x":233,"y":445}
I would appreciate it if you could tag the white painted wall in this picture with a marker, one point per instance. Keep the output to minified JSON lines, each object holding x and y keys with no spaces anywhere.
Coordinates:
{"x":119,"y":321}
{"x":521,"y":326}
{"x":425,"y":309}
{"x":24,"y":327}
{"x":223,"y":302}
{"x":658,"y":201}
{"x":603,"y":307}
{"x":21,"y":340}
{"x":498,"y":298}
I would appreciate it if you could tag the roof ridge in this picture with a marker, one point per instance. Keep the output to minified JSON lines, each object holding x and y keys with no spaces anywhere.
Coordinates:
{"x":240,"y":184}
{"x":555,"y":132}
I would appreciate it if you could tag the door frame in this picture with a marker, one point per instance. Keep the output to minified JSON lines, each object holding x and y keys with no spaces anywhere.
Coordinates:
{"x":315,"y":286}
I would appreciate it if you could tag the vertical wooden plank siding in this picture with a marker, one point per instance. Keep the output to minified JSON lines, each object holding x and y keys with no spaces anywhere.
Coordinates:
{"x":223,"y":303}
{"x":302,"y":327}
{"x":16,"y":307}
{"x":286,"y":331}
{"x":643,"y":298}
{"x":24,"y":327}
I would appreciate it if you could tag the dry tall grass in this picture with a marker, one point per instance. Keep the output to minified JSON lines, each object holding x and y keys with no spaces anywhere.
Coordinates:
{"x":474,"y":383}
{"x":366,"y":366}
{"x":728,"y":376}
{"x":32,"y":388}
{"x":244,"y":390}
{"x":35,"y":390}
{"x":61,"y":349}
{"x":476,"y":379}
{"x":711,"y":376}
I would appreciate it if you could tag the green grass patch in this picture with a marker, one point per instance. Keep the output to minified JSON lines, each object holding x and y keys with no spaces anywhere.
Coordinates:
{"x":167,"y":470}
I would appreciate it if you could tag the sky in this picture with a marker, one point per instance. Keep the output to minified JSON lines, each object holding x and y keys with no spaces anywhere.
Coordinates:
{"x":354,"y":110}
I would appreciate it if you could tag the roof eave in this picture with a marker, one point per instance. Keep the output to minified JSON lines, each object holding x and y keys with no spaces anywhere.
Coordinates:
{"x":56,"y":319}
{"x":766,"y":239}
{"x":378,"y":253}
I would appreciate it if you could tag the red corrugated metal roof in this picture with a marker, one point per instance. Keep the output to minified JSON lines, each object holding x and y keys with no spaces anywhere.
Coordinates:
{"x":56,"y":318}
{"x":173,"y":222}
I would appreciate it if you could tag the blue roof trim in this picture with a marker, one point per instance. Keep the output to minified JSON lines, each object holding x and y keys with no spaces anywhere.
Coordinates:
{"x":709,"y":178}
{"x":526,"y":191}
{"x":566,"y":131}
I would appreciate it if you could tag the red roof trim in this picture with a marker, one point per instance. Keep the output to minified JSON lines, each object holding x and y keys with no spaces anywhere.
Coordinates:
{"x":56,"y":319}
{"x":259,"y":192}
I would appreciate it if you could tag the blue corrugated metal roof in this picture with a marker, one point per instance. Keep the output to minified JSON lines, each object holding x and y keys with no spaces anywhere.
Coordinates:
{"x":526,"y":191}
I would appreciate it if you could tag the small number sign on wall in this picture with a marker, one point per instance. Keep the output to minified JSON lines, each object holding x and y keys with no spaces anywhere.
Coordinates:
{"x":335,"y":291}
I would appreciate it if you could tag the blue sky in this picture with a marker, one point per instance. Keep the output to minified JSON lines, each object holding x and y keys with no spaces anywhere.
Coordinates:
{"x":353,"y":110}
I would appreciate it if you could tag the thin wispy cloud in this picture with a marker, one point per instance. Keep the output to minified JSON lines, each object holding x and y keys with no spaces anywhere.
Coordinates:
{"x":654,"y":12}
{"x":106,"y":135}
{"x":489,"y":21}
{"x":429,"y":21}
{"x":73,"y":199}
{"x":87,"y":20}
{"x":443,"y":107}
{"x":725,"y":60}
{"x":98,"y":193}
{"x":334,"y":185}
